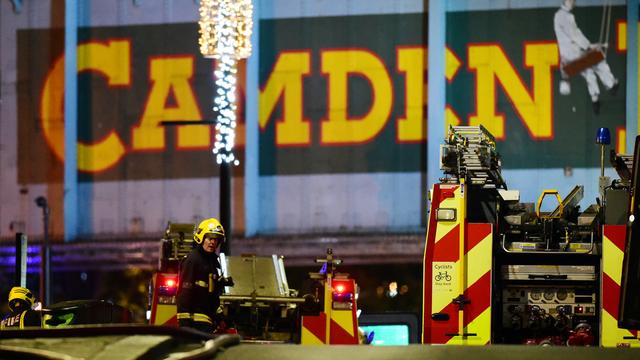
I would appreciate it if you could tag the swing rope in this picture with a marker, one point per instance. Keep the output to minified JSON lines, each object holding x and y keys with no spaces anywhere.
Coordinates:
{"x":605,"y":24}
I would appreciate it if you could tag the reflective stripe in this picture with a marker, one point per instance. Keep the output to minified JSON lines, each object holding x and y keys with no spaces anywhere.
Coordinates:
{"x":181,"y":316}
{"x":210,"y":283}
{"x":202,"y":283}
{"x":202,"y":318}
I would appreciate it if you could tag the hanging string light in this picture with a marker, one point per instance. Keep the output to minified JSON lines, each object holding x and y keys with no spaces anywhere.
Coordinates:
{"x":225,"y":32}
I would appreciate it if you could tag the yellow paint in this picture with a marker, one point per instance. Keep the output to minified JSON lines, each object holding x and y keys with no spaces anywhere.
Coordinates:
{"x":444,"y":227}
{"x":338,"y":127}
{"x":443,"y":291}
{"x":110,"y":60}
{"x":413,"y":62}
{"x":307,"y":338}
{"x":450,"y":119}
{"x":170,"y":75}
{"x":285,"y":81}
{"x":534,"y":107}
{"x":622,"y":36}
{"x":164,"y":313}
{"x":451,"y":64}
{"x":481,"y":326}
{"x":612,"y":335}
{"x":612,"y":258}
{"x":328,"y":309}
{"x":541,"y":198}
{"x":479,"y":260}
{"x":424,"y":261}
{"x":462,"y":266}
{"x":621,"y":144}
{"x":344,"y":319}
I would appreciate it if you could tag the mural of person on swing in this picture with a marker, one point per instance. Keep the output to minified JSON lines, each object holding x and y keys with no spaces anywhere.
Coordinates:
{"x":579,"y":55}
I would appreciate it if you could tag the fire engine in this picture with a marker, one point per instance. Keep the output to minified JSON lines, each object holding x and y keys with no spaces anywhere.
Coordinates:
{"x":330,"y":316}
{"x":500,"y":271}
{"x":261,"y":306}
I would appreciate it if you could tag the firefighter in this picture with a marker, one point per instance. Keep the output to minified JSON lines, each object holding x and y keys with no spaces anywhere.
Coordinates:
{"x":201,"y":283}
{"x":572,"y":45}
{"x":20,"y":302}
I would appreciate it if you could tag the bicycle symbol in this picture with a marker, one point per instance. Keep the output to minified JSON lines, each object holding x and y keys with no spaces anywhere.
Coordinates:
{"x":443,"y":275}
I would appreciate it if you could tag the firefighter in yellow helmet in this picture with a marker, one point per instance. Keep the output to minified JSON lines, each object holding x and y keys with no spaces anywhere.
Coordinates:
{"x":20,"y":302}
{"x":201,"y":281}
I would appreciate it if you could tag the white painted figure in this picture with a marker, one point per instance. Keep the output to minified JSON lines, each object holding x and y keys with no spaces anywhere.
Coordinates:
{"x":572,"y":44}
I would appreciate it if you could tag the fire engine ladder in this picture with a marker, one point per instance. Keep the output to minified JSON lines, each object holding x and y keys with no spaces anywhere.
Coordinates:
{"x":623,"y":164}
{"x":470,"y":151}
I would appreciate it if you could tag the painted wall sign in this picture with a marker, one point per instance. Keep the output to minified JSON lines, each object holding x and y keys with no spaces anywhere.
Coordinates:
{"x":337,"y":95}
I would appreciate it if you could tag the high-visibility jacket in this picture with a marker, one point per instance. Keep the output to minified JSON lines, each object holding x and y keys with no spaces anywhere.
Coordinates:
{"x":21,"y":319}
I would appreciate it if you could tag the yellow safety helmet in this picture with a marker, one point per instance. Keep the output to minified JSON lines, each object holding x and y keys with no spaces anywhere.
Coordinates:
{"x":20,"y":293}
{"x":208,"y":226}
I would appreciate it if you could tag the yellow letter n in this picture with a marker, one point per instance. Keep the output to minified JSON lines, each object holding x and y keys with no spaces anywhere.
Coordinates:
{"x":534,"y":107}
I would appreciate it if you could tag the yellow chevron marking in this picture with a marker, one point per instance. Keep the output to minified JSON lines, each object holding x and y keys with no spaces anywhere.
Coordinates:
{"x":612,"y":258}
{"x":444,"y":227}
{"x":612,"y":335}
{"x":164,"y":313}
{"x":443,"y":290}
{"x":479,"y":260}
{"x":344,"y":319}
{"x":478,"y":263}
{"x":481,"y":326}
{"x":307,"y":338}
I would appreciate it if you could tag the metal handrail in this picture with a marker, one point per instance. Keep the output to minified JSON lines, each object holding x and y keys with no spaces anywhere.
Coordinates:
{"x":548,"y":251}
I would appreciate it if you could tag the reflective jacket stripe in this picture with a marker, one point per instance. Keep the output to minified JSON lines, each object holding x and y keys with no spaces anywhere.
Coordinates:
{"x":202,"y":318}
{"x":181,"y":316}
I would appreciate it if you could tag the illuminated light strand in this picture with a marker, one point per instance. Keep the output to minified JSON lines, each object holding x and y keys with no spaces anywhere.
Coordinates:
{"x":225,"y":33}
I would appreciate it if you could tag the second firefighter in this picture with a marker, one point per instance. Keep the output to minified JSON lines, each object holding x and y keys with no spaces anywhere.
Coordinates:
{"x":201,"y":281}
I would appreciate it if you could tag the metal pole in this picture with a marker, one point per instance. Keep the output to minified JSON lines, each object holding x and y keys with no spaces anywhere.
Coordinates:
{"x":602,"y":160}
{"x":21,"y":260}
{"x":45,"y":256}
{"x":225,"y":204}
{"x":253,"y":220}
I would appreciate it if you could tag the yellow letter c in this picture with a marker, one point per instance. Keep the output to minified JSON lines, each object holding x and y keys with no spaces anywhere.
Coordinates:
{"x":111,"y":60}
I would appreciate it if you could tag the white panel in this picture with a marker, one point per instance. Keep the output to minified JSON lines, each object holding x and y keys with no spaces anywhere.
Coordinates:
{"x":531,"y":183}
{"x":472,"y":5}
{"x":126,"y":12}
{"x":341,"y":202}
{"x":317,"y":8}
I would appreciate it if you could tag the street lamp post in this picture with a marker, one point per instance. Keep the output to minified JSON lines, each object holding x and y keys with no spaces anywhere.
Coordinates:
{"x":225,"y":32}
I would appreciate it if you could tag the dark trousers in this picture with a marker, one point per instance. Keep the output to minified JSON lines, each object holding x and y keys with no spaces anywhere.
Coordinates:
{"x":198,"y":325}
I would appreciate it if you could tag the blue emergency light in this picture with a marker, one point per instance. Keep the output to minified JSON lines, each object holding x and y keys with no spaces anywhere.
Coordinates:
{"x":604,"y":136}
